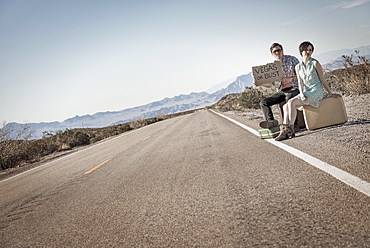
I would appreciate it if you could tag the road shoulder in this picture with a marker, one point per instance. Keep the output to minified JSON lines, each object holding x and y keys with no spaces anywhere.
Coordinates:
{"x":346,"y":147}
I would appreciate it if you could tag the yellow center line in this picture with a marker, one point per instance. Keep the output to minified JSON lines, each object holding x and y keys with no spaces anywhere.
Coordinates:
{"x":96,"y":167}
{"x":146,"y":138}
{"x":164,"y":128}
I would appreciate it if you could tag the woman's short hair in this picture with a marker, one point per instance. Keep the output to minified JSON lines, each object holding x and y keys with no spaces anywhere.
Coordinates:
{"x":304,"y":45}
{"x":275,"y":45}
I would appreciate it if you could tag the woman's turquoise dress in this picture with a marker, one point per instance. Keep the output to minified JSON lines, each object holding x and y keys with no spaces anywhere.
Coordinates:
{"x":312,"y":86}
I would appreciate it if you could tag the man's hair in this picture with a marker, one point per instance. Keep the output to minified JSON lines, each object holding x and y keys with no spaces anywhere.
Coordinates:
{"x":303,"y":46}
{"x":275,"y":45}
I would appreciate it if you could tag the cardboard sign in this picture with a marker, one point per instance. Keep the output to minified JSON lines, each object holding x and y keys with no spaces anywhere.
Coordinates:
{"x":268,"y":73}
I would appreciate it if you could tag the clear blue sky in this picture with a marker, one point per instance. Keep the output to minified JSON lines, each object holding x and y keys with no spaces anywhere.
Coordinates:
{"x":61,"y":58}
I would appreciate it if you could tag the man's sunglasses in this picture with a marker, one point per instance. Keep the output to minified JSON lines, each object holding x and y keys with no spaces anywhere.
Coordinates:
{"x":276,"y":51}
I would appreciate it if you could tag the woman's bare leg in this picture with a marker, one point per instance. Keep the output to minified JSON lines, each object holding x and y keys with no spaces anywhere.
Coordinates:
{"x":294,"y":104}
{"x":286,"y":111}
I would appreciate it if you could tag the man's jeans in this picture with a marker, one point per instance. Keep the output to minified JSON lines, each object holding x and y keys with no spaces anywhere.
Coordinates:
{"x":281,"y":96}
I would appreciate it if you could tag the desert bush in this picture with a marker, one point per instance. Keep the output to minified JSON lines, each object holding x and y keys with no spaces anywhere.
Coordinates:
{"x":138,"y":123}
{"x":67,"y":139}
{"x":11,"y":143}
{"x":161,"y":117}
{"x":39,"y":148}
{"x":19,"y":149}
{"x":76,"y":138}
{"x":251,"y":97}
{"x":354,"y":78}
{"x":357,"y":74}
{"x":336,"y":83}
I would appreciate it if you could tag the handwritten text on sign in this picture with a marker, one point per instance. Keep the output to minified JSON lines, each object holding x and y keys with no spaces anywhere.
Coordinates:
{"x":268,"y":73}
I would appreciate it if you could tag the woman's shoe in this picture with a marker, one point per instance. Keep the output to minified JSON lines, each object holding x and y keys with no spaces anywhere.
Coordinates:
{"x":285,"y":132}
{"x":296,"y":128}
{"x":292,"y":130}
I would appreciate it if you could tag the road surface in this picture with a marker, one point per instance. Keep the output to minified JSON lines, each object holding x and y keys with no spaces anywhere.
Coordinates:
{"x":192,"y":181}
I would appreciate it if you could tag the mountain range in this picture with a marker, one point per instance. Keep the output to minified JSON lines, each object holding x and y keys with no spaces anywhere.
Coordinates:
{"x":166,"y":106}
{"x":329,"y":57}
{"x":175,"y":104}
{"x":333,"y":60}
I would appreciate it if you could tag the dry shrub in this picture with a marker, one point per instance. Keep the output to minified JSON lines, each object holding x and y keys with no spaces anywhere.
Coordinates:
{"x":138,"y":123}
{"x":252,"y":96}
{"x":12,"y":143}
{"x":354,"y":79}
{"x":357,"y":74}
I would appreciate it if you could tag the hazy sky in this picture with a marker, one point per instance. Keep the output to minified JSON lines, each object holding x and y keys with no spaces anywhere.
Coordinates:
{"x":61,"y":58}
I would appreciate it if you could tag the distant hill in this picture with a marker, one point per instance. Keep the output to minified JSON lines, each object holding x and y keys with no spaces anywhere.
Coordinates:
{"x":165,"y":106}
{"x":333,"y":60}
{"x":338,"y":63}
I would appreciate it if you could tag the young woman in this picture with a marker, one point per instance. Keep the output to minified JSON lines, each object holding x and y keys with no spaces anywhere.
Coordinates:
{"x":311,"y":82}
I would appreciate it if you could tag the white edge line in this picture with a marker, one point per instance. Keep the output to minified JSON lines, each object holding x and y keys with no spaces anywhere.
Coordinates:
{"x":345,"y":177}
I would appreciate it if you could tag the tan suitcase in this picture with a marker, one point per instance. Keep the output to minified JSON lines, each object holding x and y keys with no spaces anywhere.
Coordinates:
{"x":331,"y":112}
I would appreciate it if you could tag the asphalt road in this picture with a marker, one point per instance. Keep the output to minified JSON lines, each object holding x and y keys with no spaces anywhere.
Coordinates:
{"x":193,"y":181}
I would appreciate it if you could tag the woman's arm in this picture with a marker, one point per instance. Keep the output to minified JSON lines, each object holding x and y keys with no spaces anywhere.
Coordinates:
{"x":300,"y":85}
{"x":320,"y":72}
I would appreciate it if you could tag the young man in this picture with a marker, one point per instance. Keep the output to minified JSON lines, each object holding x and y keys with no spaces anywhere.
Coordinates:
{"x":288,"y":87}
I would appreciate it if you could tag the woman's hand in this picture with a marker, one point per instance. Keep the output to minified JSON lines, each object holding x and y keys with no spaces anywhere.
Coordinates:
{"x":303,"y":97}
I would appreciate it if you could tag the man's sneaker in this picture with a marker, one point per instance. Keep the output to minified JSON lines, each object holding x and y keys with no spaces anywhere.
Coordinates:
{"x":268,"y":124}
